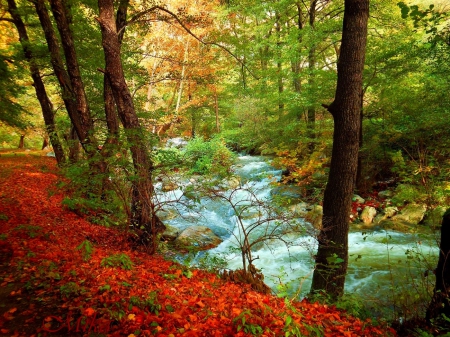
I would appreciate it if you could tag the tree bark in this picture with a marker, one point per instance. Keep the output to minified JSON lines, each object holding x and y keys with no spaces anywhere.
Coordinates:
{"x":332,"y":255}
{"x":143,"y":215}
{"x":440,"y":302}
{"x":83,"y":123}
{"x":39,"y":87}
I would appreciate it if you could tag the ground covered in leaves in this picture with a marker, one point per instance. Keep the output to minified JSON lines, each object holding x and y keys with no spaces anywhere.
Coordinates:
{"x":63,"y":276}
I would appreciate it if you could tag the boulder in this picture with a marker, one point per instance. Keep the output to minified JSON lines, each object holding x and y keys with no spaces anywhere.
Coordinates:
{"x":168,"y":186}
{"x":170,"y":234}
{"x":167,"y":214}
{"x":368,"y":214}
{"x":358,"y":199}
{"x":388,"y":213}
{"x":197,"y":238}
{"x":314,"y":216}
{"x":407,"y":219}
{"x":385,"y":194}
{"x":433,"y":218}
{"x":300,"y":209}
{"x":231,"y":183}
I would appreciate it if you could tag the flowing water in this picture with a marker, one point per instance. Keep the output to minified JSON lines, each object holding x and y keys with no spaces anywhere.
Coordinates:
{"x":379,"y":260}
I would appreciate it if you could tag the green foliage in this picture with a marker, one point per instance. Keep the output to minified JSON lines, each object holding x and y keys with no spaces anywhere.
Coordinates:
{"x":103,"y":197}
{"x":150,"y":303}
{"x":406,"y":193}
{"x":243,"y":322}
{"x":86,"y":249}
{"x":3,"y":217}
{"x":212,"y":263}
{"x":167,"y":157}
{"x":70,"y":289}
{"x":32,"y":231}
{"x":209,"y":157}
{"x":121,"y":260}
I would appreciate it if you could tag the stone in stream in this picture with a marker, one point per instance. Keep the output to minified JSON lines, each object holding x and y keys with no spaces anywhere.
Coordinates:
{"x":368,"y":214}
{"x":407,"y":219}
{"x":197,"y":238}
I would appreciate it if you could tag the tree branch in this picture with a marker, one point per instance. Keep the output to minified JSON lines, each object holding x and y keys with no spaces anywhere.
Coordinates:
{"x":139,"y":15}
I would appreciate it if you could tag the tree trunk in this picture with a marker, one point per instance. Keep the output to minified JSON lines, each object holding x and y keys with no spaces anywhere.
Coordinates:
{"x":21,"y":142}
{"x":311,"y":75}
{"x":440,"y":302}
{"x":143,"y":215}
{"x":39,"y":87}
{"x":83,"y":123}
{"x":332,"y":254}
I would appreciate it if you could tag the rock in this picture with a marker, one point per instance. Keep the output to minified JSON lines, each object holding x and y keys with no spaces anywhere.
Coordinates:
{"x":197,"y":238}
{"x":314,"y":216}
{"x":167,"y":214}
{"x":231,"y":183}
{"x":358,"y":199}
{"x":168,"y":186}
{"x":389,"y":212}
{"x":385,"y":194}
{"x":433,"y":218}
{"x":368,"y":214}
{"x":170,"y":234}
{"x":407,"y":219}
{"x":300,"y":209}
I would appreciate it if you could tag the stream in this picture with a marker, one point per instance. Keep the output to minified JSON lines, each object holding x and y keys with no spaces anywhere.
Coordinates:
{"x":379,"y":261}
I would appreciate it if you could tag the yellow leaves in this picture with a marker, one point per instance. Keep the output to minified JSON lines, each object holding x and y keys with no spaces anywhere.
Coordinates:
{"x":132,"y":317}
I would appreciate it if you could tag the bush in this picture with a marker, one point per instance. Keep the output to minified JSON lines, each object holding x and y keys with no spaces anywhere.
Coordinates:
{"x":209,"y":157}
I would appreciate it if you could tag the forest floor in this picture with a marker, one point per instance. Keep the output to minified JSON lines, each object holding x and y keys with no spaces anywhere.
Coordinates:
{"x":63,"y":276}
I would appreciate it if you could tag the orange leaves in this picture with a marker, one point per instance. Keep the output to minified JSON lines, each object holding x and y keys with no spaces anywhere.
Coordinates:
{"x":78,"y":296}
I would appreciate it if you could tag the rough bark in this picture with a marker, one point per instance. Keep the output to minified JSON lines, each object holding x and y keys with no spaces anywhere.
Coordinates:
{"x":440,"y":302}
{"x":41,"y":93}
{"x":332,"y":255}
{"x":143,"y":215}
{"x":85,"y":125}
{"x":311,"y":75}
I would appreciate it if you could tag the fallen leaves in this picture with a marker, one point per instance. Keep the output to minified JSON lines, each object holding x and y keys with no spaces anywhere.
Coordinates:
{"x":154,"y":297}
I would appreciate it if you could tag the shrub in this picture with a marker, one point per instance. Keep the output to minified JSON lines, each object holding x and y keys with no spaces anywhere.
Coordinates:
{"x":209,"y":157}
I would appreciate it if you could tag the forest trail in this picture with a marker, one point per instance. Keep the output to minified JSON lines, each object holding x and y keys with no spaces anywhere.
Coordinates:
{"x":63,"y":276}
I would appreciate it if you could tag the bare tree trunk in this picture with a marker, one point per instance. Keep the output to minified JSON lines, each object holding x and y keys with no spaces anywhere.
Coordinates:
{"x":21,"y":142}
{"x":183,"y":70}
{"x":332,"y":254}
{"x":39,"y":87}
{"x":311,"y":75}
{"x":143,"y":209}
{"x":84,"y":124}
{"x":440,"y":302}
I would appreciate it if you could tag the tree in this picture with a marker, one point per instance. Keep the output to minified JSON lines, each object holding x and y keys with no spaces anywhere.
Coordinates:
{"x":143,"y":208}
{"x":41,"y":93}
{"x":332,"y":255}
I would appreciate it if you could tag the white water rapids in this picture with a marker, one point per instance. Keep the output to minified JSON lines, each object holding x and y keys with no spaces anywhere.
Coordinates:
{"x":379,"y":261}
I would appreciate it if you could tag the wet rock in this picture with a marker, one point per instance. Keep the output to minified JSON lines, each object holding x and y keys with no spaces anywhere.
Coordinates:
{"x":433,"y":218}
{"x":300,"y":209}
{"x":170,"y":234}
{"x":167,"y":214}
{"x":358,"y":199}
{"x":385,"y":194}
{"x":388,"y":213}
{"x":231,"y":183}
{"x":168,"y":186}
{"x":407,"y":219}
{"x":197,"y":238}
{"x":314,"y":216}
{"x":368,"y":214}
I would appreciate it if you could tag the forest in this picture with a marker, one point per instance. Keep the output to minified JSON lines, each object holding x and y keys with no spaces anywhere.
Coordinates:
{"x":274,"y":147}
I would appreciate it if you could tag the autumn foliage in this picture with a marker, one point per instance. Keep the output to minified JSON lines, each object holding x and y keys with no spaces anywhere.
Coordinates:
{"x":61,"y":275}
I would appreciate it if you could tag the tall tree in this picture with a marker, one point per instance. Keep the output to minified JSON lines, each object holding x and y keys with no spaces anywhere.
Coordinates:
{"x":143,"y":208}
{"x":332,"y":255}
{"x":41,"y":93}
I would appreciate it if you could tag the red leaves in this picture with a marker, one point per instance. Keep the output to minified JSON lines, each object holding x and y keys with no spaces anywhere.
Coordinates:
{"x":154,"y":297}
